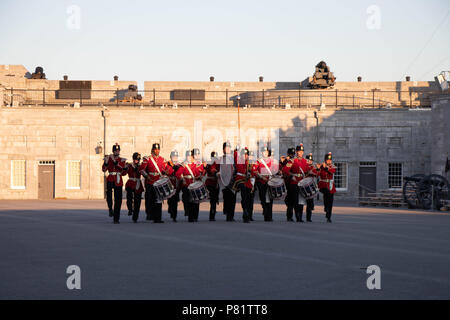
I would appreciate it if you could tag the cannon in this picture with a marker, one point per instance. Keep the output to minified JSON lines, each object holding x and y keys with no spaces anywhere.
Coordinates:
{"x":131,"y":95}
{"x":38,"y":73}
{"x":426,"y":191}
{"x":323,"y":78}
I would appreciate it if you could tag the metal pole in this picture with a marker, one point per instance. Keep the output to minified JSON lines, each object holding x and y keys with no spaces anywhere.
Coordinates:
{"x":373,"y":98}
{"x":117,"y":96}
{"x":336,"y":98}
{"x":154,"y":97}
{"x":299,"y":98}
{"x":81,"y":99}
{"x":226,"y":98}
{"x":410,"y":100}
{"x":43,"y":97}
{"x":263,"y":102}
{"x":190,"y":98}
{"x":12,"y":96}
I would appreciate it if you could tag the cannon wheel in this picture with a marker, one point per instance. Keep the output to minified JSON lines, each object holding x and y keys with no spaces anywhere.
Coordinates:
{"x":410,"y":192}
{"x":426,"y":192}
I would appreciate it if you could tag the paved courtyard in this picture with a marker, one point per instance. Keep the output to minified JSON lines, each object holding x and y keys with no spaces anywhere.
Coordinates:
{"x":221,"y":260}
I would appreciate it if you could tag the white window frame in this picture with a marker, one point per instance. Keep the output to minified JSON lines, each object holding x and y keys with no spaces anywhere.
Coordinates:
{"x":346,"y":176}
{"x":401,"y":182}
{"x":67,"y":175}
{"x":12,"y":176}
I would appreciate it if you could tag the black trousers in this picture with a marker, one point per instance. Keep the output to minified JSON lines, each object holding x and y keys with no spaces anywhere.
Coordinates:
{"x":266,"y":206}
{"x":309,"y":208}
{"x":133,"y":202}
{"x":246,"y":202}
{"x":173,"y":205}
{"x":298,"y":208}
{"x":327,"y":201}
{"x":213,"y":200}
{"x":153,"y":209}
{"x":110,"y":187}
{"x":288,"y":201}
{"x":191,"y":209}
{"x":229,"y":203}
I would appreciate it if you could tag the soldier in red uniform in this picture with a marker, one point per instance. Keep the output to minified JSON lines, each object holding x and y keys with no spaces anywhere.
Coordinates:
{"x":313,"y":173}
{"x":114,"y":164}
{"x":297,"y":171}
{"x":244,"y":182}
{"x":226,"y":169}
{"x":134,"y":186}
{"x":285,"y":166}
{"x":265,"y":168}
{"x":212,"y":185}
{"x":326,"y":184}
{"x":173,"y":201}
{"x":152,"y":168}
{"x":188,"y":173}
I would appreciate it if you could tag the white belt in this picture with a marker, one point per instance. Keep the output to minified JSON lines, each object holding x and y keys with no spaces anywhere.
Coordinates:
{"x":138,"y":182}
{"x":117,"y":174}
{"x":330,"y":181}
{"x":241,"y":174}
{"x":188,"y":177}
{"x":154,"y":173}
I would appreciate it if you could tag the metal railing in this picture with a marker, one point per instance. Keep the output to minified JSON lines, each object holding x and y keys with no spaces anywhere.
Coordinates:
{"x":223,"y":98}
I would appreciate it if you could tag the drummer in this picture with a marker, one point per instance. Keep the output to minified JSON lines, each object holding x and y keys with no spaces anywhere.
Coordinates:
{"x":188,"y":173}
{"x":173,"y":201}
{"x":153,"y":168}
{"x":265,"y":169}
{"x":244,"y":182}
{"x":313,"y":172}
{"x":297,"y":172}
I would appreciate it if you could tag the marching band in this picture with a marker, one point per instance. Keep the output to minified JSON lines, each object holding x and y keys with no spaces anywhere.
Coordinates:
{"x":295,"y":179}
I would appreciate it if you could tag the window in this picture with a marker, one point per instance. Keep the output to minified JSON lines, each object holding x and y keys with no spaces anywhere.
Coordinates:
{"x":340,"y":177}
{"x":73,"y":174}
{"x":395,"y":175}
{"x":18,"y":174}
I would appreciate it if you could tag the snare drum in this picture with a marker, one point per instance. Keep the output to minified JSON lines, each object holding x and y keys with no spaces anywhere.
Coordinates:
{"x":308,"y":187}
{"x":198,"y":192}
{"x":276,"y":188}
{"x":164,"y":188}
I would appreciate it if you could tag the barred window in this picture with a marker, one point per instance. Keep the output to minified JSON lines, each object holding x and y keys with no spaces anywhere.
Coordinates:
{"x":73,"y":174}
{"x":395,"y":175}
{"x":18,"y":174}
{"x":340,"y":177}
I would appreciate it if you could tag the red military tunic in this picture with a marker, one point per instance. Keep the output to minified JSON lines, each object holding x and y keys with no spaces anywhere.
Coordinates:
{"x":297,"y":170}
{"x":150,"y":172}
{"x":211,"y":174}
{"x":115,"y":170}
{"x":261,"y":170}
{"x":172,"y":176}
{"x":245,"y":171}
{"x":134,"y":177}
{"x":326,"y":178}
{"x":312,"y":171}
{"x":185,"y":176}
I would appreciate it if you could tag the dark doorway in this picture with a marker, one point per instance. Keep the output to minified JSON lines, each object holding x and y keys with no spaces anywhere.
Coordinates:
{"x":367,"y":178}
{"x":46,"y":180}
